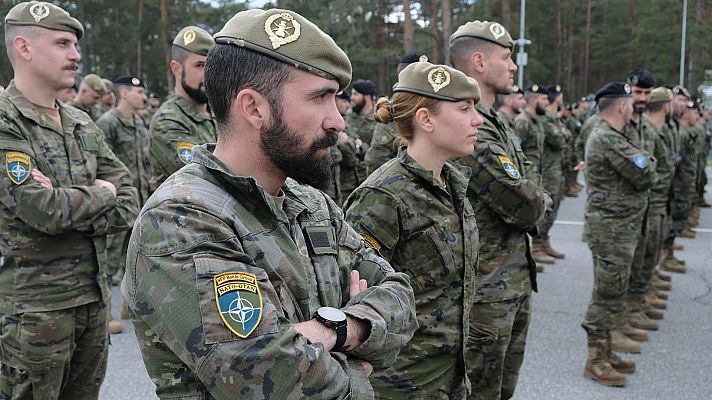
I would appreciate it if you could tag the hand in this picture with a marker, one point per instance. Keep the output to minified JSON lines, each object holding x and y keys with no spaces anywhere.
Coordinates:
{"x":106,"y":184}
{"x":367,"y":367}
{"x":343,"y":136}
{"x":580,"y":166}
{"x":316,"y":332}
{"x":358,"y":142}
{"x":40,"y":178}
{"x":356,"y":285}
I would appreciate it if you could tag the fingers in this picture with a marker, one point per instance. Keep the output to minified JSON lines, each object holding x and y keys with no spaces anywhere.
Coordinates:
{"x":367,"y":367}
{"x":41,"y":179}
{"x":354,"y":284}
{"x":362,"y":285}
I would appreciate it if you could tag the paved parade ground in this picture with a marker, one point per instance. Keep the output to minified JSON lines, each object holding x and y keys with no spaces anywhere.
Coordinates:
{"x":674,"y":364}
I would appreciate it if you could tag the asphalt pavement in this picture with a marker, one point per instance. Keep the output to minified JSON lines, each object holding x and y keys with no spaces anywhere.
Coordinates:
{"x":674,"y":364}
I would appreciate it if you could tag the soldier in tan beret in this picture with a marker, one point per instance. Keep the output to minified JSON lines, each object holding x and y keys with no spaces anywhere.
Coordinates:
{"x":183,"y":120}
{"x":106,"y":101}
{"x":63,"y":191}
{"x":91,"y":90}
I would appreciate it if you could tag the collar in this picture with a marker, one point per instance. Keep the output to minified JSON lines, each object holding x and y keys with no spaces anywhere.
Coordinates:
{"x":188,"y":108}
{"x":456,"y":178}
{"x":29,"y":111}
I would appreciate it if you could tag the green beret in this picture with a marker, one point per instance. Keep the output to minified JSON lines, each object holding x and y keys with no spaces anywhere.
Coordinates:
{"x":96,"y":83}
{"x":290,"y":38}
{"x":660,"y":95}
{"x":490,"y":31}
{"x":45,"y":15}
{"x":437,"y":81}
{"x":195,"y":40}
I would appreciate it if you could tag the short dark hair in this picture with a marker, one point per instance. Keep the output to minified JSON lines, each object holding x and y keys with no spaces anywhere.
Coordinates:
{"x":604,"y":103}
{"x":179,"y":54}
{"x":462,"y":47}
{"x":230,"y":69}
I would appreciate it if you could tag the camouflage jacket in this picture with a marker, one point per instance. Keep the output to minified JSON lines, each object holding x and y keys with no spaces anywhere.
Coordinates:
{"x":507,"y":204}
{"x":618,"y":176}
{"x":583,"y":136}
{"x":529,"y":129}
{"x":52,"y":241}
{"x":508,"y":123}
{"x":660,"y":195}
{"x":353,"y":169}
{"x":130,"y":142}
{"x":176,"y":127}
{"x":429,"y":232}
{"x":556,"y":138}
{"x":686,"y":170}
{"x":383,"y":146}
{"x":334,"y":188}
{"x":89,"y":111}
{"x":99,"y":110}
{"x":360,"y":126}
{"x":207,"y":239}
{"x":640,"y":131}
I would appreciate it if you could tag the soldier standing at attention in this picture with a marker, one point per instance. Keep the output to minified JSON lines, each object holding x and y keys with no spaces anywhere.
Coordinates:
{"x":62,"y":191}
{"x":512,"y":105}
{"x":106,"y":101}
{"x":508,"y":203}
{"x":619,"y":174}
{"x":415,"y":212}
{"x":91,"y":90}
{"x":361,"y":122}
{"x":183,"y":120}
{"x":243,"y":280}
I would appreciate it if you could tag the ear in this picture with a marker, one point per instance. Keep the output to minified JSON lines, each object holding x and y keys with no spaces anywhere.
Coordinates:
{"x":176,"y":68}
{"x":22,"y":47}
{"x":477,"y":62}
{"x":251,"y":106}
{"x":424,"y":120}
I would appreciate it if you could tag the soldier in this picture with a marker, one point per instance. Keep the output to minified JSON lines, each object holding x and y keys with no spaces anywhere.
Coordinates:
{"x":528,"y":127}
{"x":62,"y":191}
{"x":511,"y":105}
{"x":106,"y":101}
{"x":360,"y":121}
{"x":91,"y":90}
{"x":128,"y":137}
{"x":571,"y":173}
{"x":183,"y":120}
{"x":242,"y":282}
{"x":67,"y":94}
{"x":618,"y":173}
{"x":343,"y":105}
{"x":508,"y":203}
{"x":415,"y":212}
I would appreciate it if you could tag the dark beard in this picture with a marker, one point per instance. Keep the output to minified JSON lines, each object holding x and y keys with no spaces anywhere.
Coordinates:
{"x":639,"y":107}
{"x":197,"y":94}
{"x":358,"y":107}
{"x":283,"y":146}
{"x":540,"y":110}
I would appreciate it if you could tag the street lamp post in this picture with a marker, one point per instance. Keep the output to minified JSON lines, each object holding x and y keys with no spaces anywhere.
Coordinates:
{"x":522,"y":56}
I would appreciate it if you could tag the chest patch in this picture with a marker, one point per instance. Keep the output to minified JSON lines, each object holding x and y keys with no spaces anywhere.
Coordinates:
{"x":321,"y":239}
{"x":640,"y":161}
{"x":18,"y":166}
{"x":239,"y":301}
{"x":509,"y":167}
{"x":184,"y":151}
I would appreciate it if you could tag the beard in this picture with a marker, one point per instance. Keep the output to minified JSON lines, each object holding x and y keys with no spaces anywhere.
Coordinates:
{"x":284,"y":147}
{"x":640,"y":106}
{"x":197,"y":94}
{"x":540,"y":110}
{"x":356,"y":108}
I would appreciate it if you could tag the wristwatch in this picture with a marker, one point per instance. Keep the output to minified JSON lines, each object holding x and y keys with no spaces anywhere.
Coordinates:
{"x":335,"y":319}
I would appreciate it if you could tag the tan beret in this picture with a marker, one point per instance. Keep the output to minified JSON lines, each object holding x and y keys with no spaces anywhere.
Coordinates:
{"x":194,"y":39}
{"x":660,"y":95}
{"x":96,"y":83}
{"x":681,"y":90}
{"x":437,"y":81}
{"x":45,"y":15}
{"x":290,"y":38}
{"x":109,"y":85}
{"x":491,"y":31}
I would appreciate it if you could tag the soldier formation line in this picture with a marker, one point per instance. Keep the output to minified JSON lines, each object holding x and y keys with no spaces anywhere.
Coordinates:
{"x":279,"y":236}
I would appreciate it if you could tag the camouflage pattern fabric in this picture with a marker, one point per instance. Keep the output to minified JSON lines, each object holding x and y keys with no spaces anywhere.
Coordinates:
{"x":99,"y":110}
{"x":353,"y":170}
{"x":574,"y":127}
{"x":619,"y":175}
{"x":361,"y":126}
{"x":428,"y":231}
{"x":703,"y":148}
{"x":334,"y":189}
{"x":89,"y":111}
{"x":383,"y":147}
{"x":556,"y":138}
{"x":206,"y":225}
{"x":685,"y":178}
{"x":508,"y":123}
{"x":176,"y":127}
{"x":586,"y":130}
{"x":529,"y":130}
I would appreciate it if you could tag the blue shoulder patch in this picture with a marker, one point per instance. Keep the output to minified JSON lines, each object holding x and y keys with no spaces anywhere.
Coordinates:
{"x":640,"y":161}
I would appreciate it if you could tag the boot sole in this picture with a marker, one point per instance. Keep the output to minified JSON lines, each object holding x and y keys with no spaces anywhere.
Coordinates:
{"x":627,"y":351}
{"x":619,"y":383}
{"x":647,"y":328}
{"x":625,"y":370}
{"x":654,"y":316}
{"x":558,"y":256}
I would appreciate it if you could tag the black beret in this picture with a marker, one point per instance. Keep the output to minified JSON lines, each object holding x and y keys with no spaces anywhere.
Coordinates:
{"x":364,"y":86}
{"x":410,"y":58}
{"x":152,"y":95}
{"x":128,"y":80}
{"x":344,"y":95}
{"x":641,"y":78}
{"x":516,"y":89}
{"x":614,"y":89}
{"x":537,"y":89}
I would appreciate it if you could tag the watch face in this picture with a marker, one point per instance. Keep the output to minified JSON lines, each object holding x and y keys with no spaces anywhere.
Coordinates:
{"x":332,"y":314}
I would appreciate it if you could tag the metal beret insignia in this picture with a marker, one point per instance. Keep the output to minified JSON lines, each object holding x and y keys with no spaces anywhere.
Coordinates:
{"x":39,"y":11}
{"x":497,"y":30}
{"x":627,"y":89}
{"x":438,"y":78}
{"x":188,"y":37}
{"x":282,"y":29}
{"x":135,"y":81}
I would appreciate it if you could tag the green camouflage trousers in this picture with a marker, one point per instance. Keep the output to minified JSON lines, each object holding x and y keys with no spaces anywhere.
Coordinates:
{"x":555,"y":186}
{"x":612,"y":260}
{"x":116,"y":248}
{"x":495,"y":347}
{"x":53,"y":354}
{"x":640,"y":277}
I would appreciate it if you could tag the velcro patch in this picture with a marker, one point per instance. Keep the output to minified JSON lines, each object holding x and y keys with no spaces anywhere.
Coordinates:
{"x":239,"y":301}
{"x":371,"y":242}
{"x":509,"y":167}
{"x":184,"y":150}
{"x":17,"y":166}
{"x":640,"y":161}
{"x":321,"y":239}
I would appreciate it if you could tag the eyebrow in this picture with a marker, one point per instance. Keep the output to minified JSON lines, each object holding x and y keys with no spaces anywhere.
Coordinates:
{"x":322,"y":91}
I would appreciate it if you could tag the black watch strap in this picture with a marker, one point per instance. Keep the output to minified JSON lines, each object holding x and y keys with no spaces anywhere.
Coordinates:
{"x":340,"y":337}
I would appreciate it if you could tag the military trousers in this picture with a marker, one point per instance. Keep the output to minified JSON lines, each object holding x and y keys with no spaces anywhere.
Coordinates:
{"x":554,"y":184}
{"x":495,"y":346}
{"x":54,"y":354}
{"x":640,"y":273}
{"x":640,"y":278}
{"x":612,"y":260}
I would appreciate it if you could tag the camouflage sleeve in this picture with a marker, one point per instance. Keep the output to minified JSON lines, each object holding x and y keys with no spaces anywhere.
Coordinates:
{"x":167,"y":136}
{"x":171,"y":288}
{"x":632,"y":164}
{"x":519,"y":201}
{"x":61,"y":209}
{"x":583,"y":136}
{"x":524,"y":128}
{"x":383,"y":147}
{"x":350,"y":154}
{"x":554,"y":136}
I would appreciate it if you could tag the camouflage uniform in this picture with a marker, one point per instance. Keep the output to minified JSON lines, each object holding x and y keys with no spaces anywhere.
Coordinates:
{"x":294,"y":252}
{"x":619,"y":174}
{"x":508,"y":123}
{"x":574,"y":127}
{"x":556,"y":137}
{"x":353,"y":171}
{"x":90,"y":111}
{"x":130,"y":142}
{"x":529,"y":130}
{"x":685,"y":178}
{"x":383,"y":147}
{"x":334,"y":189}
{"x":361,"y":126}
{"x":99,"y":110}
{"x":507,"y":205}
{"x":53,"y":288}
{"x":175,"y":128}
{"x":428,"y":231}
{"x":586,"y":130}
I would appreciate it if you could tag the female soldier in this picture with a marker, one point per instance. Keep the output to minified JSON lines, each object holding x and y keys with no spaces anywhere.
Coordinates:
{"x":413,"y":209}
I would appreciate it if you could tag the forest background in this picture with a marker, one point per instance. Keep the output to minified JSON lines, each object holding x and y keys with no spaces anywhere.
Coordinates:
{"x":579,"y":44}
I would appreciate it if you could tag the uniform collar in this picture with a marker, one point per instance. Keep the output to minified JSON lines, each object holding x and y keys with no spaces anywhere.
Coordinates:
{"x":188,"y":108}
{"x":456,"y":178}
{"x":29,"y":111}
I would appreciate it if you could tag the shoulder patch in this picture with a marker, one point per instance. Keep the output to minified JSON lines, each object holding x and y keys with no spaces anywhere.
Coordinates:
{"x":17,"y":166}
{"x":184,"y":149}
{"x":239,"y":301}
{"x":371,"y":242}
{"x":640,"y":161}
{"x":509,"y":167}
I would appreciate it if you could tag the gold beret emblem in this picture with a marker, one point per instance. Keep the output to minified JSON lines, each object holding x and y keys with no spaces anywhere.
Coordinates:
{"x":282,"y":29}
{"x":188,"y":37}
{"x":497,"y":30}
{"x":39,"y":11}
{"x":438,"y":78}
{"x":690,"y":104}
{"x":135,"y":81}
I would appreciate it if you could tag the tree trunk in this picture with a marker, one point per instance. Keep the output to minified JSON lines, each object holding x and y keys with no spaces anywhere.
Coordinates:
{"x":559,"y":43}
{"x":408,"y":45}
{"x":586,"y":45}
{"x":84,"y":47}
{"x":447,"y":28}
{"x":695,"y":46}
{"x":507,"y":13}
{"x":139,"y":41}
{"x":435,"y":36}
{"x":166,"y":41}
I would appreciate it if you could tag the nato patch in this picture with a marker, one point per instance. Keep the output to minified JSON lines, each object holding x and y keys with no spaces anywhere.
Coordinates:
{"x":184,"y":151}
{"x":640,"y":161}
{"x":18,"y":166}
{"x":239,"y":301}
{"x":509,"y":167}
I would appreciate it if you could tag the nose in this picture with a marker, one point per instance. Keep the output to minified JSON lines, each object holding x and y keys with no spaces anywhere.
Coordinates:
{"x":512,"y":65}
{"x":74,"y":54}
{"x":333,"y":119}
{"x":477,"y":120}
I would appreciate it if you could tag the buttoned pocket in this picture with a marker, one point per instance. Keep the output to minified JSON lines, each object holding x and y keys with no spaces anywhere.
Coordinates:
{"x":427,"y":259}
